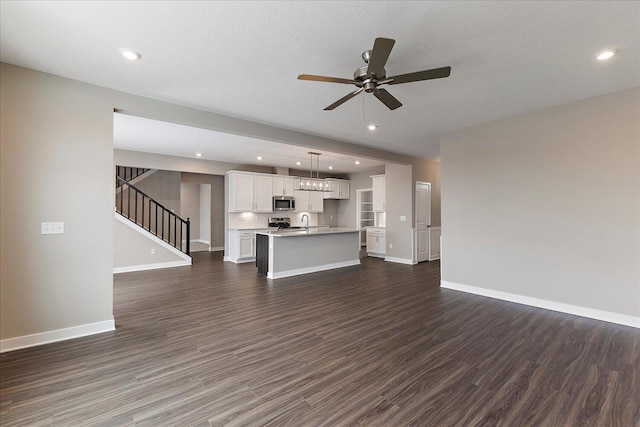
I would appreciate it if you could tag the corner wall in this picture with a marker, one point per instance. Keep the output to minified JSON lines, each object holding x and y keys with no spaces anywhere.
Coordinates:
{"x":56,"y":154}
{"x":546,"y":207}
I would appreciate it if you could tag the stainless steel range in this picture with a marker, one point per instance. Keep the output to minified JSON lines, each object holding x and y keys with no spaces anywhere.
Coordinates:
{"x":281,"y":223}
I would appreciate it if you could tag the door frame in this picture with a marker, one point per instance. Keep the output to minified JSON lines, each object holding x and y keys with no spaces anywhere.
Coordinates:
{"x":416,"y":204}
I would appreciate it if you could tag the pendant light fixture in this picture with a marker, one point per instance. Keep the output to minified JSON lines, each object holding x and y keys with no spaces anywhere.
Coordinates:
{"x":313,"y":183}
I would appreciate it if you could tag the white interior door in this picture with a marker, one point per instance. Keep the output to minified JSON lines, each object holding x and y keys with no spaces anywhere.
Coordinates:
{"x":423,"y":219}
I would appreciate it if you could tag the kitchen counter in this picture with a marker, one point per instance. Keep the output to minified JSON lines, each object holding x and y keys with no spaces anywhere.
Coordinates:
{"x":289,"y":252}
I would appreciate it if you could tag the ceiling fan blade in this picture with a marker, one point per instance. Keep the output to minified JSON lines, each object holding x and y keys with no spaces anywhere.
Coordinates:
{"x":326,"y":79}
{"x":344,"y":99}
{"x":436,"y":73}
{"x":379,"y":55}
{"x":387,"y":99}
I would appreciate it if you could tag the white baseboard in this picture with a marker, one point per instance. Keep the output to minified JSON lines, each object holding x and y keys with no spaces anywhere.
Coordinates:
{"x":143,"y":267}
{"x":206,"y":242}
{"x":11,"y":344}
{"x":591,"y":313}
{"x":239,"y":260}
{"x":435,"y":257}
{"x":314,"y":269}
{"x":400,"y":260}
{"x":216,"y":248}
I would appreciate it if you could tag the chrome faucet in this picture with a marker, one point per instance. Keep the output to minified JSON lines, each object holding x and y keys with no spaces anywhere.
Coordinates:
{"x":302,"y":220}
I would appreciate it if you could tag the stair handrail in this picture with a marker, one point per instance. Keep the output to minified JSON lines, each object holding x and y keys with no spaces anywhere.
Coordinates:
{"x":164,"y":209}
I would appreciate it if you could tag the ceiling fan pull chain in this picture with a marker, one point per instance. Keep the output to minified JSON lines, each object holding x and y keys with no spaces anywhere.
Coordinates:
{"x":362,"y":106}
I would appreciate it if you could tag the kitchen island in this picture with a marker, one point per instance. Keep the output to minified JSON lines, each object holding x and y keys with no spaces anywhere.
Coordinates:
{"x":287,"y":253}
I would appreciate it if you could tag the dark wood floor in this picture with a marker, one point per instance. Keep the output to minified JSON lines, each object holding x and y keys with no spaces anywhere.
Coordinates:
{"x":377,"y":345}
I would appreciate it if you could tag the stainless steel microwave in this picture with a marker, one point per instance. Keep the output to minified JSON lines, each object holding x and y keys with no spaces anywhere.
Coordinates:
{"x":284,"y":203}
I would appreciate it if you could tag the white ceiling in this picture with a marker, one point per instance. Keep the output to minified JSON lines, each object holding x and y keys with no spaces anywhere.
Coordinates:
{"x":242,"y":58}
{"x":153,"y":136}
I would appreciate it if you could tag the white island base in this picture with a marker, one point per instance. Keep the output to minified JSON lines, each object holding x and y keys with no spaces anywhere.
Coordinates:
{"x":291,"y":253}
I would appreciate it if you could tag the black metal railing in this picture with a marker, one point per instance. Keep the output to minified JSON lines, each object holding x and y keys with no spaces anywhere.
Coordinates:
{"x":127,"y":173}
{"x":138,"y":207}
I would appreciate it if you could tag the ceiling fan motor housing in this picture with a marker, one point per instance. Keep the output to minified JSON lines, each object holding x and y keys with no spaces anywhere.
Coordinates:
{"x":369,"y":83}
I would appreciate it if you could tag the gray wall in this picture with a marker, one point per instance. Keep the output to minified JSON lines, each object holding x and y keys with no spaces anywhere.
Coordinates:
{"x":547,"y":204}
{"x":164,"y":187}
{"x":217,"y":204}
{"x":131,"y":248}
{"x":56,"y":158}
{"x":190,"y":206}
{"x":429,"y":171}
{"x":399,"y":193}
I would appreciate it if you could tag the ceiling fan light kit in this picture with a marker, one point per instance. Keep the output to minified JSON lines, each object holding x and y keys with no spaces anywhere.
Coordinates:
{"x":369,"y":77}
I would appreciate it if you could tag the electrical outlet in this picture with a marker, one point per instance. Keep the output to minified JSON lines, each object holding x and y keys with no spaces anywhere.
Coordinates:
{"x":390,"y":245}
{"x":153,"y":251}
{"x":52,"y":227}
{"x":403,"y":218}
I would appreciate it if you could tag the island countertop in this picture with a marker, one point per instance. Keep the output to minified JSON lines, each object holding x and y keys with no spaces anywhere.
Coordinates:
{"x":304,"y":232}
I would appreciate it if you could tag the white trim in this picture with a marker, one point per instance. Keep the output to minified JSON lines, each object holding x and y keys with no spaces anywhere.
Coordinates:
{"x":206,"y":242}
{"x":591,"y":313}
{"x":156,"y":266}
{"x":314,"y":269}
{"x":400,"y":260}
{"x":216,"y":248}
{"x":25,"y":341}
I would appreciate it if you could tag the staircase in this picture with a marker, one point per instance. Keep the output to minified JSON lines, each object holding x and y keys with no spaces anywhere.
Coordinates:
{"x":141,"y":209}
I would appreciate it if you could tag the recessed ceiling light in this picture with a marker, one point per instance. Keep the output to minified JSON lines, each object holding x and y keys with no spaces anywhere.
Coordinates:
{"x":259,"y":157}
{"x":372,"y":127}
{"x":357,"y":162}
{"x":298,"y":163}
{"x":330,"y":167}
{"x":603,"y":56}
{"x":131,"y":55}
{"x":198,"y":154}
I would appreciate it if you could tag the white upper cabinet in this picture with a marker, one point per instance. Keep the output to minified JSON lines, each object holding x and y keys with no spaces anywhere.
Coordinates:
{"x":340,"y":189}
{"x":263,"y":194}
{"x":283,"y":186}
{"x":309,"y":201}
{"x":379,"y":191}
{"x":250,"y":192}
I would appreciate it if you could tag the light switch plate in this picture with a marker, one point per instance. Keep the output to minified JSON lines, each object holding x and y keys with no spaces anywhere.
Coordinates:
{"x":403,"y":218}
{"x":52,"y":227}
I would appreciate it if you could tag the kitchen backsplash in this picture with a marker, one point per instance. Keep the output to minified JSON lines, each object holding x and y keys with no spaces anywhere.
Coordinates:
{"x":260,"y":220}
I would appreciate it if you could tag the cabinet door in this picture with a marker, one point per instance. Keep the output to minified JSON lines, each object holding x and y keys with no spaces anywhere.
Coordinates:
{"x":247,"y":246}
{"x":382,"y":244}
{"x":316,"y":201}
{"x":371,"y":242}
{"x":241,"y":187}
{"x":343,"y":192}
{"x":282,"y":186}
{"x":302,"y":201}
{"x":278,"y":186}
{"x":379,"y":204}
{"x":287,"y":185}
{"x":263,"y":194}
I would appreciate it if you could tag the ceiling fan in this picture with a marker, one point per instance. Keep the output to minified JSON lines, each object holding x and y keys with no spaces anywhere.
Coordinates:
{"x":368,"y":77}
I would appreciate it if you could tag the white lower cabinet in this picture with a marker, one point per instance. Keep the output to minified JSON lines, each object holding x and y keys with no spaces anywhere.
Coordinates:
{"x":376,"y":241}
{"x":242,"y":246}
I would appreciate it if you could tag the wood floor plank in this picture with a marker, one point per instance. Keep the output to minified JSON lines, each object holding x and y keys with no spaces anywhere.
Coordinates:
{"x":380,"y":344}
